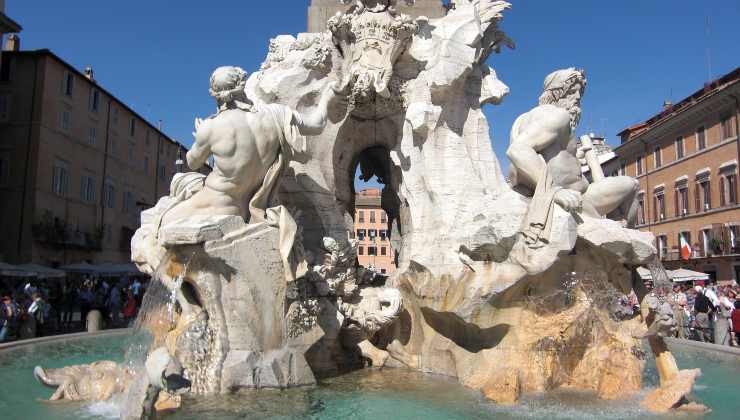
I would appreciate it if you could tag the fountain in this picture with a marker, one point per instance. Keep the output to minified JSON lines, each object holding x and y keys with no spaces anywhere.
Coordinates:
{"x":505,"y":289}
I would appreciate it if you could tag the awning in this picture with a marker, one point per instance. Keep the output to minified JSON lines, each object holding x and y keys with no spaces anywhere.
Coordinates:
{"x":81,"y":268}
{"x":683,"y":274}
{"x":107,"y":269}
{"x":680,"y":275}
{"x":9,"y":270}
{"x":43,"y":272}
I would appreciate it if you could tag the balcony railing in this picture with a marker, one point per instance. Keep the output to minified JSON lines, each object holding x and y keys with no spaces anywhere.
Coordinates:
{"x":698,"y":253}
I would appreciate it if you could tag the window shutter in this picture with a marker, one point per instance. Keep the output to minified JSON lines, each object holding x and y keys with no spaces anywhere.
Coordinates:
{"x":697,"y":198}
{"x":722,"y":200}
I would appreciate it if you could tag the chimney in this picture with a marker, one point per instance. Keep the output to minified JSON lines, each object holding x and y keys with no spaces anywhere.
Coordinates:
{"x":13,"y":43}
{"x":667,"y":105}
{"x":90,"y":73}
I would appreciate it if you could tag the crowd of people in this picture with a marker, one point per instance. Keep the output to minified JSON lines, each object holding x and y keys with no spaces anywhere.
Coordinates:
{"x":709,"y":314}
{"x":38,"y":308}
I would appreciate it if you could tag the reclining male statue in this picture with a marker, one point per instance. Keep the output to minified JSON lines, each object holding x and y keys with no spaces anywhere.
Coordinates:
{"x":543,"y":153}
{"x":249,"y":144}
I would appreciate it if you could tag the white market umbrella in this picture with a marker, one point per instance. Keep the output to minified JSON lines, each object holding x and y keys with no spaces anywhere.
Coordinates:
{"x":9,"y":270}
{"x":683,"y":275}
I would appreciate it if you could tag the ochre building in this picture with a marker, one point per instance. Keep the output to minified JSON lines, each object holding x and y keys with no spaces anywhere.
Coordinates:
{"x":372,"y":232}
{"x":77,"y":165}
{"x":686,"y":160}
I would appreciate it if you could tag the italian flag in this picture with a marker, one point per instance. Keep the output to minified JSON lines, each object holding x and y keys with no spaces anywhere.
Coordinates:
{"x":685,"y":249}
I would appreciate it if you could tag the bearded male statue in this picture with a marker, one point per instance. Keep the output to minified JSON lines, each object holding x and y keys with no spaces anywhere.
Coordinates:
{"x":250,"y":145}
{"x":543,"y":153}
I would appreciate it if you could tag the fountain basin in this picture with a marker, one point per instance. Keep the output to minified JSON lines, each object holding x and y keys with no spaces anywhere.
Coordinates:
{"x":366,"y":394}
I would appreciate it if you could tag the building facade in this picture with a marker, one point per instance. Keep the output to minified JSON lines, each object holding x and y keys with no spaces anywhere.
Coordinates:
{"x":686,"y":160}
{"x":77,"y":164}
{"x":7,"y":26}
{"x":372,"y":232}
{"x":320,"y":11}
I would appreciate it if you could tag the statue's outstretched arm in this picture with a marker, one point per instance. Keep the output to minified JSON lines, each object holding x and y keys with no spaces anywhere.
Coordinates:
{"x":198,"y":154}
{"x":313,"y":123}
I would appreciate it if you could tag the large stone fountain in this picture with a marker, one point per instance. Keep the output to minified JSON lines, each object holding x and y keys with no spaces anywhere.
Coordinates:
{"x":510,"y":288}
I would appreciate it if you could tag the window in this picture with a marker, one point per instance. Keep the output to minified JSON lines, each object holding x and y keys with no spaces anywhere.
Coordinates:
{"x":92,"y":135}
{"x":94,"y":100}
{"x":383,"y":217}
{"x":4,"y":108}
{"x":372,"y":233}
{"x":383,"y":271}
{"x":361,"y":216}
{"x":704,"y":195}
{"x":679,"y":148}
{"x":383,"y":235}
{"x":147,"y":137}
{"x":114,"y":115}
{"x":132,"y":127}
{"x":361,"y":234}
{"x":682,"y":200}
{"x":662,"y":246}
{"x":65,"y":120}
{"x":372,"y":216}
{"x":658,"y":156}
{"x":128,"y":202}
{"x":733,"y":232}
{"x":641,"y":209}
{"x":639,"y":165}
{"x":701,"y":138}
{"x":731,"y":186}
{"x":60,"y":179}
{"x":622,"y":169}
{"x":145,"y":165}
{"x":383,"y":250}
{"x":162,"y":173}
{"x":361,"y":250}
{"x":659,"y":201}
{"x":114,"y":146}
{"x":87,"y":189}
{"x":109,"y":197}
{"x":68,"y":83}
{"x":371,"y":250}
{"x":706,"y":241}
{"x":131,"y":149}
{"x":727,"y":127}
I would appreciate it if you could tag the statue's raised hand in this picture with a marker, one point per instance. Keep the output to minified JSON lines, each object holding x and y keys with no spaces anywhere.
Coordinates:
{"x":569,"y":200}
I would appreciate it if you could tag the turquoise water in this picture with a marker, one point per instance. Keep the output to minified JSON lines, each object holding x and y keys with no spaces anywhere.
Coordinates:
{"x":367,"y":394}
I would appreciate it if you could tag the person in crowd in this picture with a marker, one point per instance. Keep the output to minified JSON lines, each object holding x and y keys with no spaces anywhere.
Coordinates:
{"x":724,"y":314}
{"x":735,"y":317}
{"x":86,"y":298}
{"x":39,"y":310}
{"x":703,"y":310}
{"x":136,"y":288}
{"x":678,"y":302}
{"x":129,"y":309}
{"x":114,"y":305}
{"x":68,"y":304}
{"x":9,"y":316}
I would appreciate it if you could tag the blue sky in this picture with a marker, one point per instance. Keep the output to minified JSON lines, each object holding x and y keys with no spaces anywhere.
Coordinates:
{"x":157,"y":55}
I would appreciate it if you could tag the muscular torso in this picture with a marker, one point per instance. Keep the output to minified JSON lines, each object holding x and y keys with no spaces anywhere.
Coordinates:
{"x":559,"y":154}
{"x":244,"y":146}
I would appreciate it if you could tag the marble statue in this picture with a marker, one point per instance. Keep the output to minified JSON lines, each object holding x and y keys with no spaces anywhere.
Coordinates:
{"x":249,"y":146}
{"x":544,"y":158}
{"x":97,"y":381}
{"x":257,"y":261}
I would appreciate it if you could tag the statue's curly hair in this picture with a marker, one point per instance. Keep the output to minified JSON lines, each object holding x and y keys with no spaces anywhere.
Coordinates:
{"x":227,"y":83}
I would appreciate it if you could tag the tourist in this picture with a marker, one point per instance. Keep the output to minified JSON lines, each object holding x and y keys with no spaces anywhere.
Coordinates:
{"x":39,"y":310}
{"x":86,"y":300}
{"x":703,"y":309}
{"x":9,"y":316}
{"x":678,"y":303}
{"x":68,"y":304}
{"x":736,"y":322}
{"x":724,"y":315}
{"x":129,"y":309}
{"x":136,"y":289}
{"x":114,"y":305}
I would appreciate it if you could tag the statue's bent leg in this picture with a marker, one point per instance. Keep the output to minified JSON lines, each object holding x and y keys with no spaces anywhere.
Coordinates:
{"x":614,"y":194}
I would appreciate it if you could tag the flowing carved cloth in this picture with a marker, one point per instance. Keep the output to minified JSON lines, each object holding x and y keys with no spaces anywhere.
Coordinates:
{"x":537,"y":224}
{"x":291,"y":140}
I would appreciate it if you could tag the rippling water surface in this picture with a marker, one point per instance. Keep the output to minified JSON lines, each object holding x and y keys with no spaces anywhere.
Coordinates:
{"x":368,"y":394}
